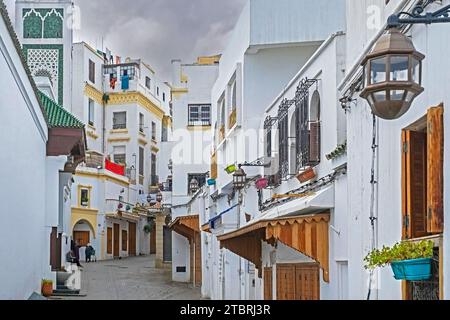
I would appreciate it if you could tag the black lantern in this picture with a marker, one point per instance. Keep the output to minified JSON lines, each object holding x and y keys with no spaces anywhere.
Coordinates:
{"x":239,"y":179}
{"x":194,"y":186}
{"x":159,"y":197}
{"x":392,"y":75}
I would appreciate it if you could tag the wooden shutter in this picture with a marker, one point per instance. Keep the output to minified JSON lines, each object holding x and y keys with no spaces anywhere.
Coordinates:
{"x":414,"y":178}
{"x":314,"y":143}
{"x":91,"y":71}
{"x":268,"y":284}
{"x":435,"y":210}
{"x":109,"y":241}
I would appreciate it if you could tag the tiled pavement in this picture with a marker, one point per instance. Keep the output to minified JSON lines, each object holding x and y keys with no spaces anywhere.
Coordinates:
{"x":131,"y":279}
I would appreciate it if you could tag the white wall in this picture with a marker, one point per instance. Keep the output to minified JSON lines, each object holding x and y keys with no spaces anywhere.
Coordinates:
{"x":23,"y":135}
{"x":180,"y":258}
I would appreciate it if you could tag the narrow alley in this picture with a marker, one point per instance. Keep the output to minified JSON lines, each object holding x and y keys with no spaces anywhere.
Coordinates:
{"x":131,"y":279}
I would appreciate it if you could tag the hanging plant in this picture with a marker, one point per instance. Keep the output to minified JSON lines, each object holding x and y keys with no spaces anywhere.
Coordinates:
{"x":409,"y":260}
{"x":336,"y":153}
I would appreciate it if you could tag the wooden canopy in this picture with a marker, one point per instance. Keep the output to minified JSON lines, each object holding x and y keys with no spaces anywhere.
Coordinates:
{"x":306,"y":234}
{"x":187,"y":226}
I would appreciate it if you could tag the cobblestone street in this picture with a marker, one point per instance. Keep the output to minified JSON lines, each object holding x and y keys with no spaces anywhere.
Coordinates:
{"x":131,"y":279}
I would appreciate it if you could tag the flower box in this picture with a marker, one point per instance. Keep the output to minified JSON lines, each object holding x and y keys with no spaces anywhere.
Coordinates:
{"x":412,"y":270}
{"x":231,"y":169}
{"x":211,"y":182}
{"x":306,"y":175}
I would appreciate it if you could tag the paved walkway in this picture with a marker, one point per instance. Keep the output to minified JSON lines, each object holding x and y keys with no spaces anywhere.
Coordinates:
{"x":132,"y":279}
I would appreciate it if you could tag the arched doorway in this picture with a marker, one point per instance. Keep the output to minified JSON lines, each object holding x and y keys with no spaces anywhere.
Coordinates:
{"x":83,"y":234}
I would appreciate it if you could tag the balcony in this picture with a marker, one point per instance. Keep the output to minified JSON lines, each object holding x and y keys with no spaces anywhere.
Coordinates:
{"x":232,"y":119}
{"x":94,"y":160}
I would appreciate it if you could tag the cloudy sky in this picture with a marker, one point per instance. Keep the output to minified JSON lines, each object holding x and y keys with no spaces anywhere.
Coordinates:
{"x":157,"y":30}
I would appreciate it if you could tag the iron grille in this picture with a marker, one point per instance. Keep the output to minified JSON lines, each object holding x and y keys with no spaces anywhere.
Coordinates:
{"x":283,"y":129}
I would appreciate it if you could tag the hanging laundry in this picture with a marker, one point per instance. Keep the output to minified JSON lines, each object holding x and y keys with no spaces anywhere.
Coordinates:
{"x":112,"y":81}
{"x":125,"y":82}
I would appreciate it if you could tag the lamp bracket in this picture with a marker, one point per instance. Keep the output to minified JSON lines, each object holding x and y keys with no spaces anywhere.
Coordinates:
{"x":257,"y":163}
{"x":417,"y":15}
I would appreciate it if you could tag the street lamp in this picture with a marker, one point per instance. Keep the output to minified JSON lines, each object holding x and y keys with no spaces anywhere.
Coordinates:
{"x":392,"y":75}
{"x":239,"y":179}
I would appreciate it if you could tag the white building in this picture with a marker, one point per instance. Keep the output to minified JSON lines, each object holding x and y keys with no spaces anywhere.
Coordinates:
{"x":190,"y":150}
{"x":260,"y":59}
{"x":126,"y":108}
{"x":391,"y":200}
{"x":36,"y":166}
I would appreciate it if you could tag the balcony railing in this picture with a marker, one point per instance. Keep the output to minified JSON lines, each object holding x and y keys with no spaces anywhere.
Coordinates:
{"x":119,"y":126}
{"x":199,"y":123}
{"x":94,"y":160}
{"x":232,"y":119}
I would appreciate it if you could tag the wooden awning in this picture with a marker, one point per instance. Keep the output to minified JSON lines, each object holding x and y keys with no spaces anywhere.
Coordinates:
{"x":206,"y":228}
{"x":306,"y":234}
{"x":187,"y":226}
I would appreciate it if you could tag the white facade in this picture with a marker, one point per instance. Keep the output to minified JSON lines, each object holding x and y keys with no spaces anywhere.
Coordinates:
{"x":189,"y":147}
{"x":27,"y":171}
{"x":135,"y":142}
{"x":260,"y":59}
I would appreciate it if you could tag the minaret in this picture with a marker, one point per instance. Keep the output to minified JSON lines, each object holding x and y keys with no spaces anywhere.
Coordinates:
{"x":44,"y":28}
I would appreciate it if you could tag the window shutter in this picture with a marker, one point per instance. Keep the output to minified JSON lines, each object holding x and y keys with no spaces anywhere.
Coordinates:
{"x":414,"y":180}
{"x":314,"y":143}
{"x":268,"y":284}
{"x":435,"y":212}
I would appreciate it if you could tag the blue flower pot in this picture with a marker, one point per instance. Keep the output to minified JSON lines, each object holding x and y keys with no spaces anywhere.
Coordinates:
{"x":412,"y":270}
{"x":211,"y":182}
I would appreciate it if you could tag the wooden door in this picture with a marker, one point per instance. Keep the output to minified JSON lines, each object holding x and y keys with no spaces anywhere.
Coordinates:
{"x":307,"y":282}
{"x":198,"y":260}
{"x":82,"y":237}
{"x":132,"y":239}
{"x":153,"y":240}
{"x":109,"y":242}
{"x":286,"y":282}
{"x":55,"y":250}
{"x":124,"y":240}
{"x":268,"y":284}
{"x":414,"y":176}
{"x":116,"y":239}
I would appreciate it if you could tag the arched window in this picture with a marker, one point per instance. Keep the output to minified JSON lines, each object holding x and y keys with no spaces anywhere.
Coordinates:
{"x":32,"y":25}
{"x":283,"y":139}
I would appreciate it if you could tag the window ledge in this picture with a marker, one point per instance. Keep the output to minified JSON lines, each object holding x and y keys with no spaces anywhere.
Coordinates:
{"x":119,"y":131}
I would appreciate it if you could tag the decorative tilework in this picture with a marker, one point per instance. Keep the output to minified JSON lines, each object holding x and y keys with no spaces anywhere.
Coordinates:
{"x":43,"y":23}
{"x":47,"y":58}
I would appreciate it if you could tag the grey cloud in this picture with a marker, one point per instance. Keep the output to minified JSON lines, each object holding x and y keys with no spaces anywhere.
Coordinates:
{"x":159,"y":30}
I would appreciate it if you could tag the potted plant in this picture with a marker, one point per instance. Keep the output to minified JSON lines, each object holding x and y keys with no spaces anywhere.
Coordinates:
{"x":47,"y":288}
{"x":410,"y":261}
{"x":306,"y":175}
{"x":231,"y":169}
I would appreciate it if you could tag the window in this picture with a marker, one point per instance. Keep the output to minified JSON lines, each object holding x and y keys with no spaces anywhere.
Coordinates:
{"x":157,"y":91}
{"x":422,"y":176}
{"x":119,"y":120}
{"x":307,"y":130}
{"x":148,"y":82}
{"x":141,"y":122}
{"x":120,"y":154}
{"x":164,"y":134}
{"x":112,"y":71}
{"x":141,"y":161}
{"x":201,"y":179}
{"x":153,"y":131}
{"x":84,"y":197}
{"x":154,"y":177}
{"x":129,"y":70}
{"x":164,"y":97}
{"x":233,"y":96}
{"x":91,"y":71}
{"x":91,"y":112}
{"x":199,"y":115}
{"x":283,"y":141}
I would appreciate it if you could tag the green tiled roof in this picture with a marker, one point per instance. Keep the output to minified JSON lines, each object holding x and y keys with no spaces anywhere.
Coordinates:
{"x":57,"y":116}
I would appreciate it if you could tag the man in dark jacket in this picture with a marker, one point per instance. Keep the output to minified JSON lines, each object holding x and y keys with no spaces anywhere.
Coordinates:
{"x":76,"y":250}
